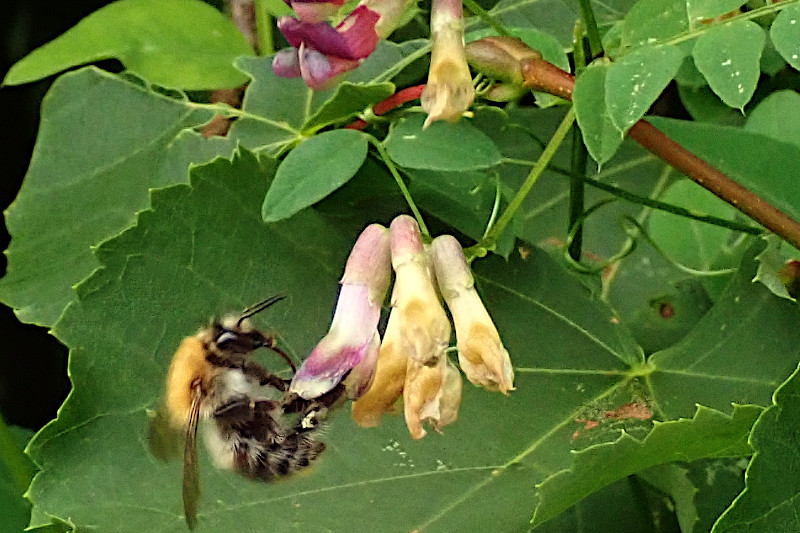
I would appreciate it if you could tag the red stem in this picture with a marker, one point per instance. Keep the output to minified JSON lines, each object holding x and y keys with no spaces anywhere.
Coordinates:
{"x":396,"y":100}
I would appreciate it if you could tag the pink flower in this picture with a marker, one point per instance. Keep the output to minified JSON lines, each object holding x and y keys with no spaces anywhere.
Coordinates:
{"x":350,"y":349}
{"x":320,"y":52}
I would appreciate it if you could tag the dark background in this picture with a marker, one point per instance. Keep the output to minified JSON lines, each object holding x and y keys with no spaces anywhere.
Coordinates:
{"x":33,"y":365}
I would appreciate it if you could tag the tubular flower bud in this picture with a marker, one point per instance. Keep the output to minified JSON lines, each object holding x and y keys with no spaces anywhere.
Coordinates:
{"x":351,"y":346}
{"x":432,"y":395}
{"x":449,"y":91}
{"x":423,"y":323}
{"x":481,"y":354}
{"x":501,"y":58}
{"x":390,"y":375}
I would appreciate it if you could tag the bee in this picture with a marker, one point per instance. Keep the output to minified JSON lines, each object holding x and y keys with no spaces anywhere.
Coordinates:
{"x":255,"y":426}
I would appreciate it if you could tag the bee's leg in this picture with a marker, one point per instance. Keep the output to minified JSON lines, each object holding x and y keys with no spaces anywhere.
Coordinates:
{"x":272,"y":344}
{"x":251,"y":369}
{"x":264,"y":376}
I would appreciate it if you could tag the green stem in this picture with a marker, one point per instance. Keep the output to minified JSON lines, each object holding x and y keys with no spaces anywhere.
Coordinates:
{"x":400,"y":184}
{"x":674,"y":209}
{"x":266,"y":44}
{"x":12,"y":455}
{"x":578,"y":162}
{"x":590,"y":23}
{"x":576,"y":191}
{"x":484,"y":15}
{"x":489,"y":241}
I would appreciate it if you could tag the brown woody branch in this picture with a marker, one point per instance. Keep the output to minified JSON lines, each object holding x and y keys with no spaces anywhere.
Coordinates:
{"x":543,"y":76}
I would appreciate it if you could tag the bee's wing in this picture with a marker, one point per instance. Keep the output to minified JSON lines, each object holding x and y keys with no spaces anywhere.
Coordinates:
{"x":191,"y":476}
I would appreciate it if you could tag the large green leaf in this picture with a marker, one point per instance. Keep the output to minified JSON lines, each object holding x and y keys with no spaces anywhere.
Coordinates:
{"x":203,"y":250}
{"x":90,"y":172}
{"x":690,"y":242}
{"x":760,"y":163}
{"x":728,"y":56}
{"x":769,"y":502}
{"x":442,"y":146}
{"x":185,"y":44}
{"x":740,"y":351}
{"x":310,"y":172}
{"x":104,"y":141}
{"x":16,"y":471}
{"x":777,"y":117}
{"x":708,"y":434}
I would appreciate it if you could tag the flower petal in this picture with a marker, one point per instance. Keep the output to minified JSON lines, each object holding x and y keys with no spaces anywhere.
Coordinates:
{"x":286,"y":63}
{"x":390,"y":375}
{"x":354,"y":38}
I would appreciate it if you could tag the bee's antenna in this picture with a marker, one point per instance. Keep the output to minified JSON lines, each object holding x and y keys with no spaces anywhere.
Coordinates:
{"x":260,"y":306}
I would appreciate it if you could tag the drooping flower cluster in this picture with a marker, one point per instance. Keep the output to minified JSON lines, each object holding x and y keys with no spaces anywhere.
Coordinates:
{"x":320,"y":53}
{"x":412,"y":360}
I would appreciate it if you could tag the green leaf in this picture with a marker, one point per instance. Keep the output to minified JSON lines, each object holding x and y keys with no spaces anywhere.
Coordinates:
{"x":670,"y":314}
{"x":739,"y":351}
{"x":718,"y":482}
{"x":708,"y":434}
{"x":700,"y":490}
{"x":777,"y":116}
{"x":690,"y":242}
{"x":759,"y":163}
{"x":601,"y":137}
{"x":313,"y":170}
{"x":462,"y":199}
{"x":769,"y":501}
{"x":601,"y":512}
{"x":770,"y":265}
{"x":203,"y":250}
{"x":348,"y":100}
{"x":184,"y":44}
{"x":654,"y":20}
{"x":200,"y":251}
{"x":699,"y":10}
{"x":673,"y":480}
{"x":16,"y":470}
{"x":90,"y":172}
{"x":635,"y":81}
{"x":785,"y":35}
{"x":441,"y":146}
{"x":728,"y":56}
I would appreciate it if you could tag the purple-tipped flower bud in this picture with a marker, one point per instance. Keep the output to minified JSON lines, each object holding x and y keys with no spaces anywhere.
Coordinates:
{"x":449,"y":91}
{"x":352,"y":343}
{"x":481,"y":354}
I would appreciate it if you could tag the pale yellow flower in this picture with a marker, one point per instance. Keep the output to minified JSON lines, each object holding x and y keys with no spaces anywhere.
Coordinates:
{"x":449,"y":91}
{"x":481,"y":353}
{"x":432,"y":395}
